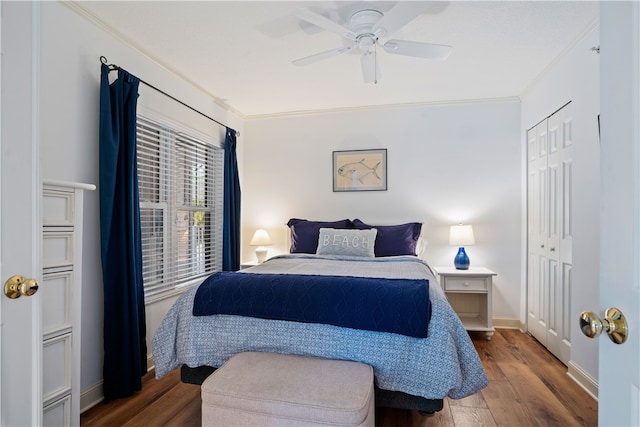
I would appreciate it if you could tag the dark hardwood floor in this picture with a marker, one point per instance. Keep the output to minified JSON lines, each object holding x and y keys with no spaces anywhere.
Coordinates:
{"x":527,"y":387}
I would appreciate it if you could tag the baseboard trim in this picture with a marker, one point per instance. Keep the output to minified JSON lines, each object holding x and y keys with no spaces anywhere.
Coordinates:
{"x":583,"y":379}
{"x":507,"y":323}
{"x":91,"y":396}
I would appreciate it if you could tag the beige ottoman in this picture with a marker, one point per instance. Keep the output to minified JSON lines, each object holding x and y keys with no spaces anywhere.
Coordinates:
{"x":266,"y":389}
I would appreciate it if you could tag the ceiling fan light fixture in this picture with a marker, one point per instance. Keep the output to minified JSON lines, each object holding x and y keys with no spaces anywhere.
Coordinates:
{"x":366,"y":42}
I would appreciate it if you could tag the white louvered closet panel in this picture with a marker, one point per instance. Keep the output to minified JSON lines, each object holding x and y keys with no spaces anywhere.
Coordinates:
{"x":550,"y":187}
{"x":61,"y":301}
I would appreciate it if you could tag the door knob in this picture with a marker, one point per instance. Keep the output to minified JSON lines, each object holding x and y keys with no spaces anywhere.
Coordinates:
{"x":15,"y":286}
{"x":614,"y":324}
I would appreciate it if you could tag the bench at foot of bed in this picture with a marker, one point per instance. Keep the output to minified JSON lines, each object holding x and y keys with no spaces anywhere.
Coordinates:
{"x":269,"y":389}
{"x":383,"y":398}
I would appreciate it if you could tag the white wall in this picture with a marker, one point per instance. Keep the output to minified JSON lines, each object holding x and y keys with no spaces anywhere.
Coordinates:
{"x":576,"y":78}
{"x":71,"y":47}
{"x":446,"y":164}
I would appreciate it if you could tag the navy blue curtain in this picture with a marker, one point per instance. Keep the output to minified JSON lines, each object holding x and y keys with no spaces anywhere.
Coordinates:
{"x":125,"y":348}
{"x":231,"y":221}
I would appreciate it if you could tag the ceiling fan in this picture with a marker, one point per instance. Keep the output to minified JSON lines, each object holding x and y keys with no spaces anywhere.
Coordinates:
{"x":365,"y":29}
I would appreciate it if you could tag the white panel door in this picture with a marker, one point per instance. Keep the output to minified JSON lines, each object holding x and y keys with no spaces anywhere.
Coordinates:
{"x":20,"y":230}
{"x":619,"y":365}
{"x":554,"y":132}
{"x":562,"y":341}
{"x":560,"y":170}
{"x":537,"y":231}
{"x":550,"y":188}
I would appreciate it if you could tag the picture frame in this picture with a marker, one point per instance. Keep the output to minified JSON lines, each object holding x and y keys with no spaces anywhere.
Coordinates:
{"x":360,"y":170}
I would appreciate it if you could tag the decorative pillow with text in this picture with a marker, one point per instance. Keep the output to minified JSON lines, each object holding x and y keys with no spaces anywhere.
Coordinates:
{"x":360,"y":243}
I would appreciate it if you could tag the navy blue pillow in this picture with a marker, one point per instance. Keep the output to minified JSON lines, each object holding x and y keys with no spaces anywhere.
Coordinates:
{"x":394,"y":240}
{"x":305,"y":233}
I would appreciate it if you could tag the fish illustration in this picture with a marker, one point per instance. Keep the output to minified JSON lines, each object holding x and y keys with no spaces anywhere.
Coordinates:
{"x":358,"y":171}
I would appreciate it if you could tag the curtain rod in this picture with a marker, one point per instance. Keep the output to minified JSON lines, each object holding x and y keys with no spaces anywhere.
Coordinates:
{"x":113,"y":67}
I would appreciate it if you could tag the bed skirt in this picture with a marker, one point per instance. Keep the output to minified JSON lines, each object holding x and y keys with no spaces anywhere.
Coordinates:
{"x":384,"y":398}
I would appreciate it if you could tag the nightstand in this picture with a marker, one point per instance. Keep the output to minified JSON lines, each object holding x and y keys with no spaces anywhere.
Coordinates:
{"x":469,"y":293}
{"x":248,"y":264}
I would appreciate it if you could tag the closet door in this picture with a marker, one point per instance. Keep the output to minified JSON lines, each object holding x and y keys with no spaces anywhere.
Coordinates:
{"x":537,"y":294}
{"x":550,"y":188}
{"x":560,"y":170}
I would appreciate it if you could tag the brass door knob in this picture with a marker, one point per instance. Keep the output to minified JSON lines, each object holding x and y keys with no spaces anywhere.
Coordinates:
{"x":614,"y":324}
{"x":15,"y":286}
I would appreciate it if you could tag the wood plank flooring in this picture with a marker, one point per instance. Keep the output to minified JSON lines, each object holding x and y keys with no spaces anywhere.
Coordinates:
{"x":527,"y":387}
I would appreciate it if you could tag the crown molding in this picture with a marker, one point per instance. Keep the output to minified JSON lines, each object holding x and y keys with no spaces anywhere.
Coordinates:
{"x":380,"y":107}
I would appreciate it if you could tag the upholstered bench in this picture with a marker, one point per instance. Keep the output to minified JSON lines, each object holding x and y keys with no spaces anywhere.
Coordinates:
{"x":266,"y":389}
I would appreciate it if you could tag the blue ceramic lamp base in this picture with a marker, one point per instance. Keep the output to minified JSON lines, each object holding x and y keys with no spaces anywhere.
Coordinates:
{"x":461,"y":260}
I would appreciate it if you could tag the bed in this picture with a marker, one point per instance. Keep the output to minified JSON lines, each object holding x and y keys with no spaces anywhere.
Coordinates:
{"x":410,"y":372}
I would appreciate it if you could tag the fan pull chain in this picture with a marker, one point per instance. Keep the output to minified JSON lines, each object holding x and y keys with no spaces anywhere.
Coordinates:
{"x":375,"y":63}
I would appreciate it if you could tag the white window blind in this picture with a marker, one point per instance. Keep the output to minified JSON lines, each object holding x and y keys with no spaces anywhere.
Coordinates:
{"x":180,"y":181}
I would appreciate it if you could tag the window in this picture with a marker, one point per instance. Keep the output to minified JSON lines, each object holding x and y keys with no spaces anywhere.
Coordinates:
{"x":180,"y":181}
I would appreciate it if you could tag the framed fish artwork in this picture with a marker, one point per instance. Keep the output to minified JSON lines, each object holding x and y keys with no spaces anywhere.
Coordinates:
{"x":360,"y":170}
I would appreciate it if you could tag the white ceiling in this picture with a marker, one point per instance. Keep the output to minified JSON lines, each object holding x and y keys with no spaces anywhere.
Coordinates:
{"x":240,"y":52}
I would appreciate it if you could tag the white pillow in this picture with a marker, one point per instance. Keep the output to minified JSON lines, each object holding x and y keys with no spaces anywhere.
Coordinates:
{"x":333,"y":241}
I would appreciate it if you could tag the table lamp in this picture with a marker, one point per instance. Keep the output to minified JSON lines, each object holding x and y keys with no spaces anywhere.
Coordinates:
{"x":261,"y":239}
{"x":461,"y":235}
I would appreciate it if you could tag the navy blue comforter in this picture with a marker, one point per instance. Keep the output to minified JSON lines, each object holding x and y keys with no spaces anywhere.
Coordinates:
{"x":400,"y":306}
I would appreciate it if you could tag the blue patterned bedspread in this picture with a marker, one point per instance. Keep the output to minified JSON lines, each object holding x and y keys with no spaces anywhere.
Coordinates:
{"x":443,"y":364}
{"x":398,"y":306}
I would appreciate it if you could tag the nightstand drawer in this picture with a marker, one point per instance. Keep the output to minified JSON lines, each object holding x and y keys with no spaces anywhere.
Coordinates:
{"x":471,"y":284}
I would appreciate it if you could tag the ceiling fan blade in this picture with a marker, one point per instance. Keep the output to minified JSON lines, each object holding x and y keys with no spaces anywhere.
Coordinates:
{"x":421,"y":50}
{"x":370,"y":70}
{"x":399,"y":16}
{"x":324,"y":22}
{"x":322,"y":55}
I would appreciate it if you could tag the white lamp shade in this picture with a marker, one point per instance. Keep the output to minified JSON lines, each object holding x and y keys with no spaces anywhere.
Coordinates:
{"x":461,"y":235}
{"x":260,"y":238}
